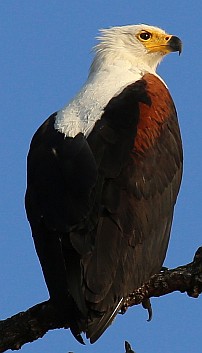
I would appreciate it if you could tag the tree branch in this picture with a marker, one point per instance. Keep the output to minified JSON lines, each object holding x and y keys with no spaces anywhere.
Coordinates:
{"x":35,"y":322}
{"x":187,"y":278}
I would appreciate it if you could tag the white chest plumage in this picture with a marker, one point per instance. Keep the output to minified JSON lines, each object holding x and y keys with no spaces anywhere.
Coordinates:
{"x":86,"y":108}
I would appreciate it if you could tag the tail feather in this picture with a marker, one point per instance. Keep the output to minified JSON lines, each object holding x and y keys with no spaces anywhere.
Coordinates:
{"x":76,"y":334}
{"x":99,"y":325}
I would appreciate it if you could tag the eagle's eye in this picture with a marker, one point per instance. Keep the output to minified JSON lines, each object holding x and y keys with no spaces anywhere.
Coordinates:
{"x":145,"y":35}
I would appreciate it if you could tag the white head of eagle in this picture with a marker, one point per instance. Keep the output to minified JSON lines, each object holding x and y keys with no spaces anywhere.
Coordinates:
{"x":103,"y":175}
{"x":123,"y":56}
{"x":134,"y":46}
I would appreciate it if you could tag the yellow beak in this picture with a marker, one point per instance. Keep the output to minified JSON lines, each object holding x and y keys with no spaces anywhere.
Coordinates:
{"x":164,"y":43}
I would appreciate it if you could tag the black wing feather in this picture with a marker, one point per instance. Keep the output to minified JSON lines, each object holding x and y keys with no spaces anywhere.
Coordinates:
{"x":61,"y":175}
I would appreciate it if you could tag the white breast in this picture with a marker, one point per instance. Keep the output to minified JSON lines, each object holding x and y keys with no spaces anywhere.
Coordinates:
{"x":87,"y":107}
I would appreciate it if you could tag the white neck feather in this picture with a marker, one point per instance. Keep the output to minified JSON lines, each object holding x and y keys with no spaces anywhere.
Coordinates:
{"x":110,"y":72}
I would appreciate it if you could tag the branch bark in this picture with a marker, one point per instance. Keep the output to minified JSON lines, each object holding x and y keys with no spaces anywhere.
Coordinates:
{"x":32,"y":324}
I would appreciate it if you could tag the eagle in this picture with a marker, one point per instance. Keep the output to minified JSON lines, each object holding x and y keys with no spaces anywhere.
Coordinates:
{"x":103,"y":175}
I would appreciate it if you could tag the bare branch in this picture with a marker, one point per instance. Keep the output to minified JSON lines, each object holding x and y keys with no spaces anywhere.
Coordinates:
{"x":28,"y":326}
{"x":187,"y":278}
{"x":35,"y":322}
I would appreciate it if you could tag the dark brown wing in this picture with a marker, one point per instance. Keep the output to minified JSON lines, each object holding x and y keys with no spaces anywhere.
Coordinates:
{"x":138,"y":199}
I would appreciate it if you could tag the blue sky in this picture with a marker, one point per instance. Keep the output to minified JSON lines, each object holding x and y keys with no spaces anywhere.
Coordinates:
{"x":45,"y":56}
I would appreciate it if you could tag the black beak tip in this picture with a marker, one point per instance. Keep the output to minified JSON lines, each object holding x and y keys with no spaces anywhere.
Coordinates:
{"x":175,"y":44}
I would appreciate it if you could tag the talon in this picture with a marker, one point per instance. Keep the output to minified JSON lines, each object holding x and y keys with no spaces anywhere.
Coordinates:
{"x":147,"y":305}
